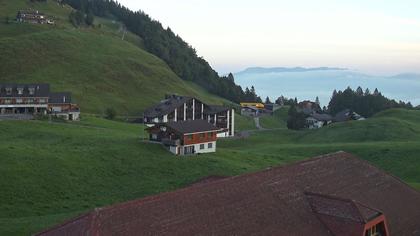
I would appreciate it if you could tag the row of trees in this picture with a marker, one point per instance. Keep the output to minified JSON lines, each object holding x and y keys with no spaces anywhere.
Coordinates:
{"x":362,"y":102}
{"x":168,"y":46}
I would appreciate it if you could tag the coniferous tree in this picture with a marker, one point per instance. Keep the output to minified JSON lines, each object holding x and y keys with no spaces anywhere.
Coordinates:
{"x":317,"y":101}
{"x":359,"y":91}
{"x":296,"y":120}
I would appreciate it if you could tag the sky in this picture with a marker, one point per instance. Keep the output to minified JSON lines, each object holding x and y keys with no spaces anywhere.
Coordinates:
{"x":380,"y":37}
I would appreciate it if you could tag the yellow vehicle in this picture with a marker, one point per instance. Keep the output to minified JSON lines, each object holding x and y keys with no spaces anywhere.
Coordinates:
{"x":253,"y":104}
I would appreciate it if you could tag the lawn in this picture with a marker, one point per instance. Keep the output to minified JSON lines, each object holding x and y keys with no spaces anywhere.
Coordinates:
{"x":53,"y":171}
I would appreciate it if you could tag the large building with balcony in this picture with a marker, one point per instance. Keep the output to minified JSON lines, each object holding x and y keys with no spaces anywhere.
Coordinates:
{"x":24,"y":101}
{"x":176,"y":108}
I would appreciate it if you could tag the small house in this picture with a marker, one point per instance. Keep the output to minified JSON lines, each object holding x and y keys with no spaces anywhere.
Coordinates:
{"x":185,"y":137}
{"x":316,"y":120}
{"x":33,"y":17}
{"x":347,"y":115}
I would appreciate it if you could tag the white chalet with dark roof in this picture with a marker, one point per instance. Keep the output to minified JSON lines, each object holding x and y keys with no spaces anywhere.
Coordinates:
{"x":182,"y":108}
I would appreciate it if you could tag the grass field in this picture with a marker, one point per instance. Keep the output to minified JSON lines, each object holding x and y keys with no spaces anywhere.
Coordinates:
{"x":53,"y":171}
{"x":95,"y":64}
{"x":276,"y":121}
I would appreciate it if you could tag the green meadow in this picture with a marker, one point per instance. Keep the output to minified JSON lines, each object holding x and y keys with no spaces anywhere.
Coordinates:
{"x":100,"y":68}
{"x":52,"y":171}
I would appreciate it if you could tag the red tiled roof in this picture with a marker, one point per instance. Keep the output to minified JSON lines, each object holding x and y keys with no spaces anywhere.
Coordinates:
{"x":270,"y":202}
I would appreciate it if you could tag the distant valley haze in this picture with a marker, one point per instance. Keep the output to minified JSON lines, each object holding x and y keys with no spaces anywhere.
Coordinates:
{"x":308,"y":83}
{"x":374,"y":40}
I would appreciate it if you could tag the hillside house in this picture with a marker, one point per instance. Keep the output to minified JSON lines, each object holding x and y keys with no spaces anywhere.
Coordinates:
{"x":23,"y":101}
{"x":347,"y":115}
{"x":60,"y":105}
{"x":336,"y":194}
{"x":185,"y":137}
{"x":176,"y":108}
{"x":33,"y":17}
{"x":316,"y":120}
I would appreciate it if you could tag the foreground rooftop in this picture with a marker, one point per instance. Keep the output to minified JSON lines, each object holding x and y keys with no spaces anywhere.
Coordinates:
{"x":335,"y":194}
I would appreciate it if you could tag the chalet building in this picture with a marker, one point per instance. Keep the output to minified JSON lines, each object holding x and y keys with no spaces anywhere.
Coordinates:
{"x":181,"y":108}
{"x":336,"y":194}
{"x":347,"y":115}
{"x":186,"y":137}
{"x":26,"y":100}
{"x":33,"y":17}
{"x":60,"y":105}
{"x":316,"y":120}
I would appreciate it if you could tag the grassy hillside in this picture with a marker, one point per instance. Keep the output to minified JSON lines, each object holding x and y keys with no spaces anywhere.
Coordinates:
{"x":53,"y":171}
{"x":277,"y":120}
{"x":95,"y":64}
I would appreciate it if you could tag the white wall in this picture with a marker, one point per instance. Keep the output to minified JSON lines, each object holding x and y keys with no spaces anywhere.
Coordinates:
{"x":173,"y":149}
{"x":198,"y":150}
{"x":206,"y":149}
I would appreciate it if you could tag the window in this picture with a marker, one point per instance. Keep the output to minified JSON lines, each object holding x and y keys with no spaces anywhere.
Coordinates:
{"x":202,"y":146}
{"x":30,"y":100}
{"x":7,"y":101}
{"x":210,"y":145}
{"x":202,"y":135}
{"x":19,"y":100}
{"x":8,"y":91}
{"x":190,"y":137}
{"x":42,"y":100}
{"x":20,"y":91}
{"x":31,"y":91}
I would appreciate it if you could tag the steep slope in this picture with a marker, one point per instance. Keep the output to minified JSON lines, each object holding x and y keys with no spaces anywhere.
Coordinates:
{"x":96,"y":65}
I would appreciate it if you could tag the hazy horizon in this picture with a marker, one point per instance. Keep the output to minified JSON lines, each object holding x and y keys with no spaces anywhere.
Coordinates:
{"x":375,"y":37}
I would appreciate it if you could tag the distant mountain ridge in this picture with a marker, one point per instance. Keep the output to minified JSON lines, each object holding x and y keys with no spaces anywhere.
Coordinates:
{"x":261,"y":70}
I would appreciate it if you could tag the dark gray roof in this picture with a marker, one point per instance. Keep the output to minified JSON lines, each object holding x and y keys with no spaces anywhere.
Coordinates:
{"x":40,"y":90}
{"x":59,"y":98}
{"x":214,"y":109}
{"x":166,"y":106}
{"x":343,"y":115}
{"x":321,"y":117}
{"x":192,"y":126}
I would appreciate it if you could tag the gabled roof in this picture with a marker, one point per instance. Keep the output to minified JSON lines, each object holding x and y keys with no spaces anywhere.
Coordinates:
{"x":214,"y":109}
{"x":166,"y":106}
{"x":343,"y":115}
{"x":192,"y":126}
{"x":339,"y":213}
{"x":60,"y":98}
{"x":322,"y":117}
{"x":269,"y":202}
{"x":40,"y":90}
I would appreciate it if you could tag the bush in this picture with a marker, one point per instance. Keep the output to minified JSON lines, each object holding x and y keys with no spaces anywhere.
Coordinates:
{"x":110,"y":113}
